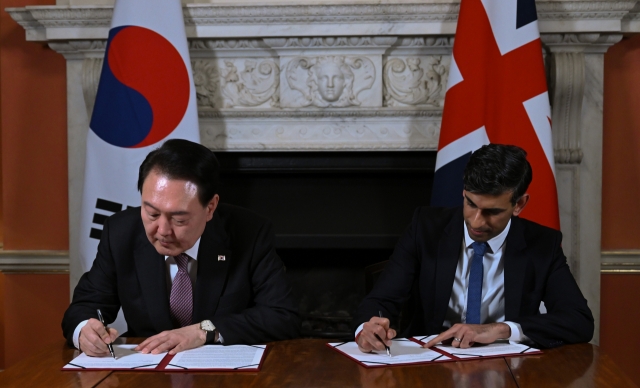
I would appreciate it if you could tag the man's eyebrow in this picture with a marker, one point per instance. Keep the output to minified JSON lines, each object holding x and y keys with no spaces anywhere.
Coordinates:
{"x":178,"y":213}
{"x":145,"y":203}
{"x":495,"y":209}
{"x":470,"y":201}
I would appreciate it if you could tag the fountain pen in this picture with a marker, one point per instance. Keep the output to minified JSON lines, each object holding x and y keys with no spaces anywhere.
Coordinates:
{"x":385,"y":345}
{"x":109,"y":345}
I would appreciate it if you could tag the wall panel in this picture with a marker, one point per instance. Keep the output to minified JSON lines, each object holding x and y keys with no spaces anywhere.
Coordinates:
{"x":34,"y":137}
{"x":33,"y":308}
{"x":620,"y":293}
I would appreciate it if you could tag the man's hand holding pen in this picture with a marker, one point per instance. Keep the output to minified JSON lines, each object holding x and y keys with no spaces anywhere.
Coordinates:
{"x":94,"y":338}
{"x":374,"y":333}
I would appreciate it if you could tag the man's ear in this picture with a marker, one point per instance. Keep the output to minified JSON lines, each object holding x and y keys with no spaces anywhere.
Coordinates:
{"x":212,"y":206}
{"x":520,"y":205}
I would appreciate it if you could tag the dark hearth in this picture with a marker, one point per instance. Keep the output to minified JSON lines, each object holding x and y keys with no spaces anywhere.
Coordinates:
{"x":334,"y":213}
{"x":328,"y":285}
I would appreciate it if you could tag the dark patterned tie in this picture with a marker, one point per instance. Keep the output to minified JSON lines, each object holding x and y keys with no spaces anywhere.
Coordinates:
{"x":181,"y":299}
{"x":474,"y":292}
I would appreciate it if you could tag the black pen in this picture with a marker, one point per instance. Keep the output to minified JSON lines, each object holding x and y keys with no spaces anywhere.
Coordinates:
{"x":110,"y":346}
{"x":385,"y":345}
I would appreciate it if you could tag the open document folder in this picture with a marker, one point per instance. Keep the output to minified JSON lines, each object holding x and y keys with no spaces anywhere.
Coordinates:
{"x":403,"y":351}
{"x":501,"y":348}
{"x":406,"y":351}
{"x":204,"y":358}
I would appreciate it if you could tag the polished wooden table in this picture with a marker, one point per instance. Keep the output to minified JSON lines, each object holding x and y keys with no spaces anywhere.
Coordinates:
{"x":310,"y":363}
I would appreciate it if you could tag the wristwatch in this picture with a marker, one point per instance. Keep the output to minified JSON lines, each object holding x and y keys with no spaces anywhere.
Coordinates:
{"x":209,"y":329}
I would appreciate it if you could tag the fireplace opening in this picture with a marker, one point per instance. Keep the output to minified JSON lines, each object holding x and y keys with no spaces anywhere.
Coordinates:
{"x":334,"y":214}
{"x":328,"y":285}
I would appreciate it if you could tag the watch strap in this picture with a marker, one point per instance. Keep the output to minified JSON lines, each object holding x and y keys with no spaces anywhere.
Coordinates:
{"x":211,"y":337}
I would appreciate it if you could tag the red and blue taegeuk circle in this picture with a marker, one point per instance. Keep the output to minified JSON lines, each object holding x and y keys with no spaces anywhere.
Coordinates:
{"x":144,"y":89}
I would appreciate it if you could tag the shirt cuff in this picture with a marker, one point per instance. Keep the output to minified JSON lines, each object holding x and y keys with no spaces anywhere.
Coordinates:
{"x":358,"y":330}
{"x":76,"y":333}
{"x":516,"y":333}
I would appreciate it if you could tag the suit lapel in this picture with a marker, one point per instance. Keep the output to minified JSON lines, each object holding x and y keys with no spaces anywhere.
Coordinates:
{"x":212,"y":269}
{"x":151,"y":269}
{"x":447,"y":261}
{"x":514,"y":269}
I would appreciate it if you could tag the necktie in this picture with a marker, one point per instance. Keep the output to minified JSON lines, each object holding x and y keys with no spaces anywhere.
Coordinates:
{"x":474,"y":292}
{"x":181,"y":299}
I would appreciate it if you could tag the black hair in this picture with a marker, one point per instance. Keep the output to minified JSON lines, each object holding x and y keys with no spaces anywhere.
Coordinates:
{"x":497,"y":168}
{"x":184,"y":160}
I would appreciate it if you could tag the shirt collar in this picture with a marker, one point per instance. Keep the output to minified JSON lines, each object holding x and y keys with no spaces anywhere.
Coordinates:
{"x":495,"y":243}
{"x":191,"y":252}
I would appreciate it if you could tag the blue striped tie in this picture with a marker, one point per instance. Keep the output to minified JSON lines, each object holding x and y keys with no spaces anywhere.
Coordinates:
{"x":474,"y":293}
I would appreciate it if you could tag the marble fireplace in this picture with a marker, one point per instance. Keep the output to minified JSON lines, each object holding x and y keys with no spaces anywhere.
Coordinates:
{"x":336,"y":216}
{"x":348,"y":80}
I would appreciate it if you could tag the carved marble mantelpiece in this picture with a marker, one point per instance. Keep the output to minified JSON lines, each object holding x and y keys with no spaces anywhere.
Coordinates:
{"x":358,"y":75}
{"x":233,"y":19}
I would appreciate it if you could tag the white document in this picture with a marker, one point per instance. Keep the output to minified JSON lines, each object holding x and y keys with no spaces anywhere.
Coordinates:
{"x":233,"y":357}
{"x":496,"y":349}
{"x":126,"y":358}
{"x":403,"y":351}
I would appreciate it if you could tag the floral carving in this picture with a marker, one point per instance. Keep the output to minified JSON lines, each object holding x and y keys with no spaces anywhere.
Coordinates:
{"x":409,"y":82}
{"x":255,"y":85}
{"x":206,"y":80}
{"x":227,"y":87}
{"x":330,"y":81}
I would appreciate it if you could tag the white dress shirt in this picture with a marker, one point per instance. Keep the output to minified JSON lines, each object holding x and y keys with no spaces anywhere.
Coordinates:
{"x":492,"y":308}
{"x":172,"y":270}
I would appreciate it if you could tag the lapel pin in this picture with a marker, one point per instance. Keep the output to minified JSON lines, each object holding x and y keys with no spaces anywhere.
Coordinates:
{"x":221,"y":258}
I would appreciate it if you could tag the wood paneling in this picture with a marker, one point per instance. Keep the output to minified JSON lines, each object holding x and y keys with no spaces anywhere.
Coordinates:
{"x":620,"y":294}
{"x":2,"y":323}
{"x":620,"y":314}
{"x":33,"y":306}
{"x":621,"y":143}
{"x":33,"y":130}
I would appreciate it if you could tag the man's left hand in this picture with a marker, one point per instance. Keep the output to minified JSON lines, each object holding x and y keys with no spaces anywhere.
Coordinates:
{"x":174,"y":341}
{"x":465,"y":335}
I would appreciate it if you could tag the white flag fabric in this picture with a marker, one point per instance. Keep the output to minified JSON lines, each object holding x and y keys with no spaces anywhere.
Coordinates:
{"x":145,"y":97}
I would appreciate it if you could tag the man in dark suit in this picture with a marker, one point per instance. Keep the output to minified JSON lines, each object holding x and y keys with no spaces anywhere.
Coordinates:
{"x":479,"y":272}
{"x":185,"y":269}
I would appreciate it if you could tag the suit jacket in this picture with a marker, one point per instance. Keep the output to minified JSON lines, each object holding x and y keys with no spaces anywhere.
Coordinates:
{"x":246,"y":296}
{"x":535,"y":270}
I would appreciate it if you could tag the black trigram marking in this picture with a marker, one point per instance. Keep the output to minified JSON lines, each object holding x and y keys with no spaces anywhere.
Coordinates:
{"x":95,"y":233}
{"x":99,"y":219}
{"x":109,"y":206}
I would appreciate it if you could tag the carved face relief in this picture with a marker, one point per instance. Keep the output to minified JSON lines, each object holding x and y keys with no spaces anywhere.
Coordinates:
{"x":330,"y":80}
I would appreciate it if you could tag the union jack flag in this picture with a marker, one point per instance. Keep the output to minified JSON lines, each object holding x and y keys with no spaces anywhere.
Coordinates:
{"x":497,"y":93}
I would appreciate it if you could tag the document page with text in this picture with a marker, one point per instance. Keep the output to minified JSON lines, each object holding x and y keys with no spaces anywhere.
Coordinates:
{"x":126,"y":358}
{"x":492,"y":350}
{"x":500,"y":348}
{"x":403,"y":351}
{"x":217,"y":357}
